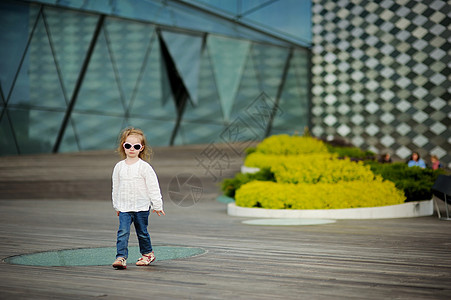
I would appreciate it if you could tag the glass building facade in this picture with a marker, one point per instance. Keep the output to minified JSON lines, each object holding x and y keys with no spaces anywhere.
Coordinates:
{"x":74,"y":73}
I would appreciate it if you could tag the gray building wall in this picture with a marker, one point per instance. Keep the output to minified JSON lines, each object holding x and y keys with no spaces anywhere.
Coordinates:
{"x":380,"y":75}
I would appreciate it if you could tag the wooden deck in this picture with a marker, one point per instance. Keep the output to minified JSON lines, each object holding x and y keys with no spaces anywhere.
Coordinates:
{"x":52,"y":202}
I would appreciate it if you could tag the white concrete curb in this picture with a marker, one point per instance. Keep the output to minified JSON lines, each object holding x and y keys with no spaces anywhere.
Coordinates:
{"x":405,"y":210}
{"x":250,"y":170}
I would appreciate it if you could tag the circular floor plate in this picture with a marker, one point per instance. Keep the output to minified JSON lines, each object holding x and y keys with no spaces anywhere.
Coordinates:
{"x":288,"y":222}
{"x":98,"y":256}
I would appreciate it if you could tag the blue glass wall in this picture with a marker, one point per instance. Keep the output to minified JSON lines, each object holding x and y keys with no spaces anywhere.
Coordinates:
{"x":74,"y":73}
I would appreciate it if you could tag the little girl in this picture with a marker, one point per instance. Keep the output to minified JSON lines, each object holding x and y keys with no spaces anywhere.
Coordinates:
{"x":135,"y":191}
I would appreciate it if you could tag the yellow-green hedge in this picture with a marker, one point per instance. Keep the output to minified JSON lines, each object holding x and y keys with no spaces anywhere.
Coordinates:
{"x":284,"y":144}
{"x":309,"y":177}
{"x":322,"y":171}
{"x":318,"y":196}
{"x":261,"y":160}
{"x":311,"y":168}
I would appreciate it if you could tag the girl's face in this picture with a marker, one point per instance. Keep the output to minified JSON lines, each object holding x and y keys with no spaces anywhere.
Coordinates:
{"x":415,"y":156}
{"x":133,"y":141}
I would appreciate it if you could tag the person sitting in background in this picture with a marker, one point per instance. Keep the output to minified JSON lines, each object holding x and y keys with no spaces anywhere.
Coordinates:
{"x":385,"y":158}
{"x":435,"y":162}
{"x":416,"y":161}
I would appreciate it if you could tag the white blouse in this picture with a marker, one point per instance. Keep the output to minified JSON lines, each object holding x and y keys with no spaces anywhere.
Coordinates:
{"x":135,"y":187}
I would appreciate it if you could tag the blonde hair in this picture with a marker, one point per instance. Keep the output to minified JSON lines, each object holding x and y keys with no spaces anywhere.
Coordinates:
{"x":145,"y":153}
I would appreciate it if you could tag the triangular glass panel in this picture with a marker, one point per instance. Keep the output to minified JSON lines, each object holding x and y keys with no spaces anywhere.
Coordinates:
{"x":179,"y":139}
{"x":16,"y":23}
{"x":99,"y":91}
{"x":2,"y":98}
{"x":248,"y":91}
{"x":70,"y":139}
{"x":259,"y":36}
{"x":221,"y":6}
{"x":300,"y":63}
{"x":71,"y":34}
{"x":35,"y":130}
{"x":292,"y":20}
{"x":97,"y":132}
{"x":209,"y":105}
{"x":153,"y":96}
{"x":195,"y":19}
{"x":21,"y":92}
{"x":249,"y":6}
{"x":7,"y":143}
{"x":198,"y":133}
{"x":129,"y":42}
{"x":293,"y":102}
{"x":228,"y":57}
{"x":39,"y":75}
{"x":185,"y":51}
{"x":269,"y":62}
{"x":166,"y":91}
{"x":155,"y":11}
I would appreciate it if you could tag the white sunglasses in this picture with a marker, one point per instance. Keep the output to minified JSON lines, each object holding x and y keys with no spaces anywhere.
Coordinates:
{"x":129,"y":146}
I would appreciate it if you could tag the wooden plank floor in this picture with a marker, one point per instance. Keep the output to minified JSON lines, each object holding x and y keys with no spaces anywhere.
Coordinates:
{"x":52,"y":202}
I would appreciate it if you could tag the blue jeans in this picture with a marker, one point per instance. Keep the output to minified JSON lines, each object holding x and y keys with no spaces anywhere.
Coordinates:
{"x":140,"y":220}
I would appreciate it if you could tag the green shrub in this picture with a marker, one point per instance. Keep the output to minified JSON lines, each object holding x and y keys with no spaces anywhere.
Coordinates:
{"x":250,"y":150}
{"x":230,"y":185}
{"x":414,"y":181}
{"x":350,"y":194}
{"x":352,"y":152}
{"x":290,"y":145}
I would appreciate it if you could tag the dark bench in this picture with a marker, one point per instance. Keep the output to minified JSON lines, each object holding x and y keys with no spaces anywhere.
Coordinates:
{"x":442,"y":190}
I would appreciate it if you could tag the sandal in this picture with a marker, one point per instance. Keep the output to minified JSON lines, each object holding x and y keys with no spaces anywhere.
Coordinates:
{"x":146,"y":259}
{"x":120,"y":263}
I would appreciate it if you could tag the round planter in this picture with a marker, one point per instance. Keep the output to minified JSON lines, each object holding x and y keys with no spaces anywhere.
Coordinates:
{"x":405,"y":210}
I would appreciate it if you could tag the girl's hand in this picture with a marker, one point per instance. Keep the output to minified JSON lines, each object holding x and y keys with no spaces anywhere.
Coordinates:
{"x":117,"y":213}
{"x":159,"y":212}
